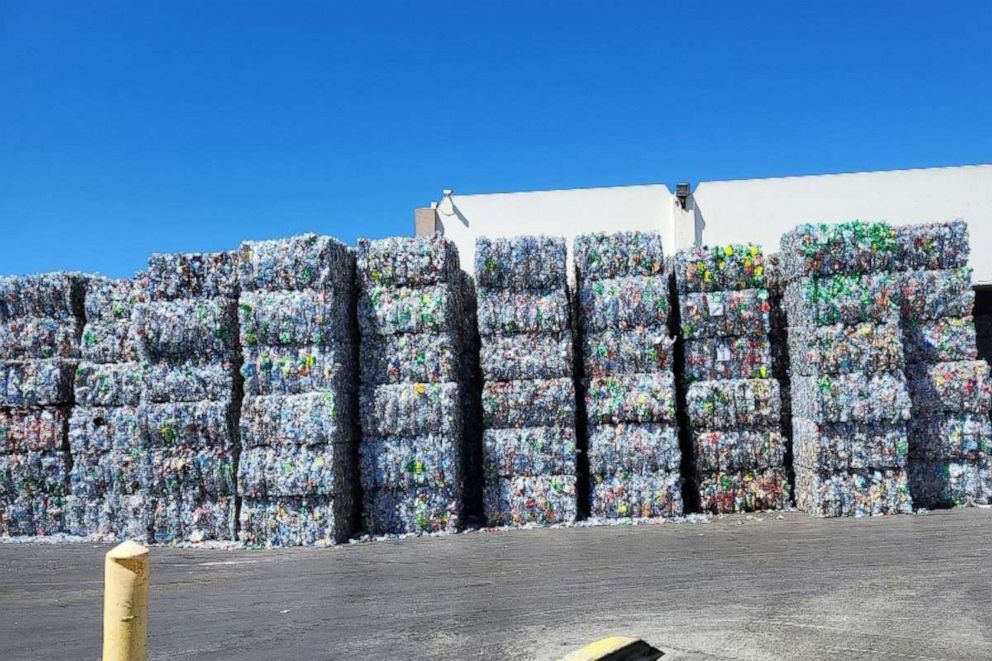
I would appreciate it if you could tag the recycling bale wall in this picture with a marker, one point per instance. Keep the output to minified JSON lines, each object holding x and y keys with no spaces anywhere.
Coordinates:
{"x":626,"y":376}
{"x":297,"y":473}
{"x":850,"y":402}
{"x":733,"y":400}
{"x":41,"y":318}
{"x":415,"y":327}
{"x":528,"y":396}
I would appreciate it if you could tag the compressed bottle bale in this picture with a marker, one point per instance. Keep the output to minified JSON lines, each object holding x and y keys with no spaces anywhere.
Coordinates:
{"x":631,"y":398}
{"x":846,"y":348}
{"x":34,"y":473}
{"x":100,"y":429}
{"x":840,"y":248}
{"x":634,"y":449}
{"x":35,"y":515}
{"x":176,"y":276}
{"x":25,"y":430}
{"x":189,"y":517}
{"x":295,"y":470}
{"x":510,"y":312}
{"x":98,"y":475}
{"x":292,"y":521}
{"x":181,"y":330}
{"x":293,"y":371}
{"x":113,"y":300}
{"x":124,"y":517}
{"x":109,"y":342}
{"x":744,"y":491}
{"x":936,"y":294}
{"x":399,"y":510}
{"x":517,"y":501}
{"x":843,"y":299}
{"x":515,"y":357}
{"x":204,"y":474}
{"x":99,"y":384}
{"x":411,"y":462}
{"x":738,"y":450}
{"x":965,"y":436}
{"x":529,"y":451}
{"x":410,"y":358}
{"x":714,"y":405}
{"x":39,"y":337}
{"x":305,"y":262}
{"x":528,"y":403}
{"x":627,"y":351}
{"x":392,"y":310}
{"x":188,"y":382}
{"x":956,"y":386}
{"x":412,"y":409}
{"x":26,"y":383}
{"x":861,"y":493}
{"x":849,"y":446}
{"x":407,"y":262}
{"x":525,"y":262}
{"x":724,"y":314}
{"x":942,"y":340}
{"x":712,"y":358}
{"x":601,"y":256}
{"x":627,"y":302}
{"x":933,"y":246}
{"x":950,"y":483}
{"x":56,"y":295}
{"x":315,"y":418}
{"x":854,"y":397}
{"x":296,"y":318}
{"x":635,"y":495}
{"x":731,"y":267}
{"x":189,"y":425}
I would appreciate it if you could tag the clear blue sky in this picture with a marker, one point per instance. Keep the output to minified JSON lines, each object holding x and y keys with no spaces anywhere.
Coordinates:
{"x":128,"y":128}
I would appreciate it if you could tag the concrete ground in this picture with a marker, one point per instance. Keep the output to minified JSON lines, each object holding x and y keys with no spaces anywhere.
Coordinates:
{"x":907,"y":587}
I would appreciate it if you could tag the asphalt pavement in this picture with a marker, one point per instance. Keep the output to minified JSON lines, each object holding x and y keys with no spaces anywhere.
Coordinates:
{"x":767,"y":587}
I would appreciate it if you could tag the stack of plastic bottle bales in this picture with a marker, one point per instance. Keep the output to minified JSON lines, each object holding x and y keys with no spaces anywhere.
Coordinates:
{"x":850,"y":403}
{"x":188,"y":337}
{"x":950,"y":433}
{"x":104,"y":431}
{"x":297,"y":472}
{"x":733,"y":402}
{"x":413,"y":321}
{"x":528,"y":399}
{"x":628,"y":383}
{"x":40,"y":321}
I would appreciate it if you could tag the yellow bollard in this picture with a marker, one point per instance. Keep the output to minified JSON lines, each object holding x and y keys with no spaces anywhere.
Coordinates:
{"x":125,"y":603}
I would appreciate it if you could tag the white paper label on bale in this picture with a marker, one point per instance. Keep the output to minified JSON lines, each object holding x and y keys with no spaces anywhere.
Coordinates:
{"x":723,"y":354}
{"x":715,"y":304}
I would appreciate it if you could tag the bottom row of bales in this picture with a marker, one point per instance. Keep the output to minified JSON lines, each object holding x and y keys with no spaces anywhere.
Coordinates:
{"x":224,"y":396}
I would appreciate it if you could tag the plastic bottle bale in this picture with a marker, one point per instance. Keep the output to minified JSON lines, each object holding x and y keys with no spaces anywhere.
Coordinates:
{"x":635,"y":495}
{"x":943,"y":483}
{"x":305,"y":262}
{"x":98,"y":384}
{"x":843,"y":299}
{"x":130,"y":516}
{"x":400,"y":462}
{"x":27,"y":383}
{"x":964,"y":436}
{"x":296,"y":470}
{"x":862,"y":493}
{"x":191,"y":425}
{"x":727,"y":358}
{"x":627,"y":302}
{"x":113,"y":300}
{"x":936,"y":294}
{"x":839,"y":248}
{"x":631,"y":398}
{"x":943,"y":340}
{"x":962,"y":386}
{"x":528,"y":403}
{"x":729,"y":451}
{"x":188,"y":382}
{"x":57,"y":295}
{"x":190,"y":473}
{"x":522,"y":262}
{"x":295,"y":318}
{"x":627,"y":351}
{"x":99,"y":429}
{"x":183,"y":330}
{"x":734,"y":403}
{"x":176,"y":276}
{"x":849,"y":446}
{"x":86,"y":516}
{"x":529,"y":451}
{"x":109,"y":342}
{"x":636,"y":449}
{"x":34,"y":473}
{"x":398,"y":510}
{"x":933,"y":246}
{"x":512,"y":312}
{"x":406,"y":261}
{"x":291,"y":521}
{"x":410,"y":358}
{"x":39,"y":337}
{"x":412,"y":409}
{"x":724,"y":314}
{"x":846,"y":348}
{"x":518,"y":501}
{"x":298,"y":370}
{"x":731,"y":267}
{"x":854,"y":397}
{"x":316,"y":418}
{"x":191,"y":517}
{"x":601,"y":256}
{"x":392,"y":310}
{"x":744,"y":491}
{"x":25,"y":430}
{"x":34,"y":515}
